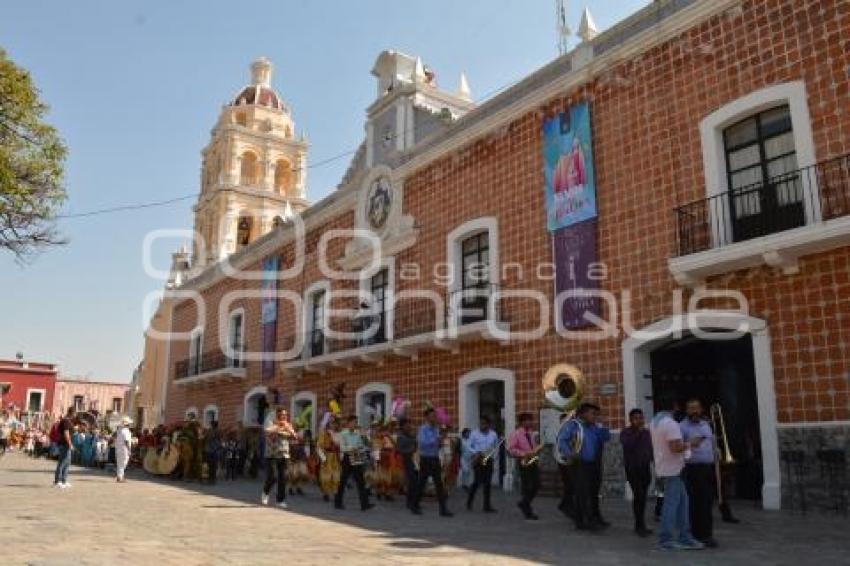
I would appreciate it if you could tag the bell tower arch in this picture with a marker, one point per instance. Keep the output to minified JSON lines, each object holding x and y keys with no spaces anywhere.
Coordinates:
{"x":252,"y":170}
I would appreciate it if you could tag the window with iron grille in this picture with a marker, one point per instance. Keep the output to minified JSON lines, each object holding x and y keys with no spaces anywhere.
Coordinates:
{"x":378,"y":286}
{"x":317,"y":324}
{"x":765,"y":190}
{"x":475,"y":277}
{"x":237,"y":341}
{"x":196,"y":350}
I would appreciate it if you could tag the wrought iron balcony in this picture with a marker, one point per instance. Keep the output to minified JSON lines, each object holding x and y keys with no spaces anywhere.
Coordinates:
{"x":209,"y":363}
{"x":812,"y":194}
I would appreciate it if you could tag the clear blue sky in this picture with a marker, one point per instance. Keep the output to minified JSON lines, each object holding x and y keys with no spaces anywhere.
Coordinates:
{"x":134,"y":88}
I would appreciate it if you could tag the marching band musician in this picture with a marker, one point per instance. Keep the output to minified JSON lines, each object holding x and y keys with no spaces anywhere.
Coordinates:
{"x":483,"y":442}
{"x":429,"y":462}
{"x":586,"y":467}
{"x":521,"y":446}
{"x":353,"y":459}
{"x":699,"y":472}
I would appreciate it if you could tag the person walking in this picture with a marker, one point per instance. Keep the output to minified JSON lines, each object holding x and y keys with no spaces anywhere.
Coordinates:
{"x":582,"y":441}
{"x":522,"y":447}
{"x":64,"y":428}
{"x":123,"y":447}
{"x":406,"y":446}
{"x":637,"y":457}
{"x":429,"y":441}
{"x":669,"y":451}
{"x":279,"y":432}
{"x":699,"y":472}
{"x":352,"y":448}
{"x":212,"y":451}
{"x":483,"y":442}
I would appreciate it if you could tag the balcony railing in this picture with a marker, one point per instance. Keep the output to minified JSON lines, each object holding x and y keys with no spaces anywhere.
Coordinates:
{"x":209,"y":362}
{"x":788,"y":201}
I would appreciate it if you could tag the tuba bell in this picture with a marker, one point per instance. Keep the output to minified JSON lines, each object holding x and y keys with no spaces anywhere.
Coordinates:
{"x":563,"y":387}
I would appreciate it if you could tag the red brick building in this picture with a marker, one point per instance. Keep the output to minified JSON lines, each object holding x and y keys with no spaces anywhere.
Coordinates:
{"x":720,"y":143}
{"x":27,"y":386}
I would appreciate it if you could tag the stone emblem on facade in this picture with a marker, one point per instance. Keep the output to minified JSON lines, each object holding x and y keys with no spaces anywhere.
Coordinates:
{"x":379,"y":201}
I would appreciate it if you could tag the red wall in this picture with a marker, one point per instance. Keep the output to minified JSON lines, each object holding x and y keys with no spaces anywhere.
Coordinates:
{"x":36,"y":376}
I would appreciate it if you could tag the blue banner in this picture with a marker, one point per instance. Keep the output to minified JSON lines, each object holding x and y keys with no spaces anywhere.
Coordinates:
{"x":570,"y":182}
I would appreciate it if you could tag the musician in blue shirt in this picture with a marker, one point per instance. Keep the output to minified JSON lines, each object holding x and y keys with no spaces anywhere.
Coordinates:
{"x":429,"y":440}
{"x":582,"y":441}
{"x":484,"y":443}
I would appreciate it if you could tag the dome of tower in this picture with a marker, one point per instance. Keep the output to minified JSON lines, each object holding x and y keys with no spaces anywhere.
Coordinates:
{"x":260,"y":92}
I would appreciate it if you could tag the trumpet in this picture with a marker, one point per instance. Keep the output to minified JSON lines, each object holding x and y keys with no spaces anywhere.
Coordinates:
{"x":483,"y":458}
{"x":724,"y":456}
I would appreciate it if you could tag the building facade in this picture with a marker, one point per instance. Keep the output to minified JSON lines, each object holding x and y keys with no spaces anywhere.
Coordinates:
{"x":716,"y":140}
{"x":27,"y":386}
{"x":102,"y":397}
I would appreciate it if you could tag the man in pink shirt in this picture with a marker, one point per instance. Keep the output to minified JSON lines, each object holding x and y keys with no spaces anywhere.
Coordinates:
{"x":521,"y":446}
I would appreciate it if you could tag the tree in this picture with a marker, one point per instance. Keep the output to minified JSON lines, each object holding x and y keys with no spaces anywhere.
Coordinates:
{"x":32,"y":157}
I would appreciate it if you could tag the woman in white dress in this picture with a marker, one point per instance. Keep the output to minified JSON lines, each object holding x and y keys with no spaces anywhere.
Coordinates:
{"x":123,"y":445}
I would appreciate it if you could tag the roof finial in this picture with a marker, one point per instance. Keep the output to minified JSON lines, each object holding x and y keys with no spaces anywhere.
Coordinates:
{"x":419,"y":71}
{"x":261,"y":72}
{"x":587,"y":29}
{"x":463,"y":90}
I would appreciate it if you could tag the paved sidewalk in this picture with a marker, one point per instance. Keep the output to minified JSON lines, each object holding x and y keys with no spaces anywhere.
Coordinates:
{"x":159,"y":522}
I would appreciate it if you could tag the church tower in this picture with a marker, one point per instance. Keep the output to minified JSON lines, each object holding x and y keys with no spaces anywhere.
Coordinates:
{"x":253,"y":170}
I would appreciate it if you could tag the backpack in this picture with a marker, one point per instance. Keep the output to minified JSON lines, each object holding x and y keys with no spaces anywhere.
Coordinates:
{"x":54,"y":434}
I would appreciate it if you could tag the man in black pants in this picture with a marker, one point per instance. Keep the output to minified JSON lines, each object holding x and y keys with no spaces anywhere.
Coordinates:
{"x":637,"y":456}
{"x":429,"y":440}
{"x":353,"y":460}
{"x":699,"y":472}
{"x":483,"y":442}
{"x":406,"y":445}
{"x":279,"y":433}
{"x":582,"y":441}
{"x":522,"y":447}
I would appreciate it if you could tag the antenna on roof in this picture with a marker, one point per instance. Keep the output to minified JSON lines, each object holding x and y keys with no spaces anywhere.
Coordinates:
{"x":561,"y":28}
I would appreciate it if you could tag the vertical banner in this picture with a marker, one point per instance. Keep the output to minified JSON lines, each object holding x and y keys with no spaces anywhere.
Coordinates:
{"x":268,"y":314}
{"x":569,"y":177}
{"x":574,"y":254}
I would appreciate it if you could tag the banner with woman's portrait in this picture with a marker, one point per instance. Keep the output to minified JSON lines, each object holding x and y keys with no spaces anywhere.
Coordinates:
{"x":569,"y":177}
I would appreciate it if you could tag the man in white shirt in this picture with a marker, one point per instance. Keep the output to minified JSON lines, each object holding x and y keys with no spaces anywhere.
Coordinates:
{"x":123,"y":447}
{"x":669,"y":451}
{"x":484,"y":443}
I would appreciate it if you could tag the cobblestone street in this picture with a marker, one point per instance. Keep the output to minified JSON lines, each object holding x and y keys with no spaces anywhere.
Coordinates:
{"x":144,"y":521}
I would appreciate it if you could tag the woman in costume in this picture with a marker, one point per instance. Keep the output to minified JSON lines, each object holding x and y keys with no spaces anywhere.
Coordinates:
{"x":382,"y":449}
{"x":328,"y":452}
{"x":449,"y":458}
{"x":297,"y":472}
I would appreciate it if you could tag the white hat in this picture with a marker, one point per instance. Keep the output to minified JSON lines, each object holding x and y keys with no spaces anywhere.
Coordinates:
{"x":126,"y":421}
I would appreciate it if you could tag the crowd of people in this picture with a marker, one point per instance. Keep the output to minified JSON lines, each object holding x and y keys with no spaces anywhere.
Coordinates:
{"x":88,"y":442}
{"x":393,"y":457}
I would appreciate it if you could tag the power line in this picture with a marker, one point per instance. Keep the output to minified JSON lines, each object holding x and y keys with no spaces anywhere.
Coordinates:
{"x":125,"y":207}
{"x":321,"y":163}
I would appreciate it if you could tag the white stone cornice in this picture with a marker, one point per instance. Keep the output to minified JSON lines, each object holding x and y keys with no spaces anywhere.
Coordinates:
{"x":472,"y":126}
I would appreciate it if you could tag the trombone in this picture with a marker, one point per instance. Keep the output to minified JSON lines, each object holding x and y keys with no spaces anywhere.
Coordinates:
{"x":721,"y":456}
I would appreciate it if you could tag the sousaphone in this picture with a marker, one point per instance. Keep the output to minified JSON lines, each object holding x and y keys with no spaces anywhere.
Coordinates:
{"x":563,"y":387}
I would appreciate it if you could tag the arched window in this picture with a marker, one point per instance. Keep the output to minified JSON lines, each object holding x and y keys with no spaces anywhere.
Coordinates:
{"x":243,"y":231}
{"x":250,"y":172}
{"x":282,"y":176}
